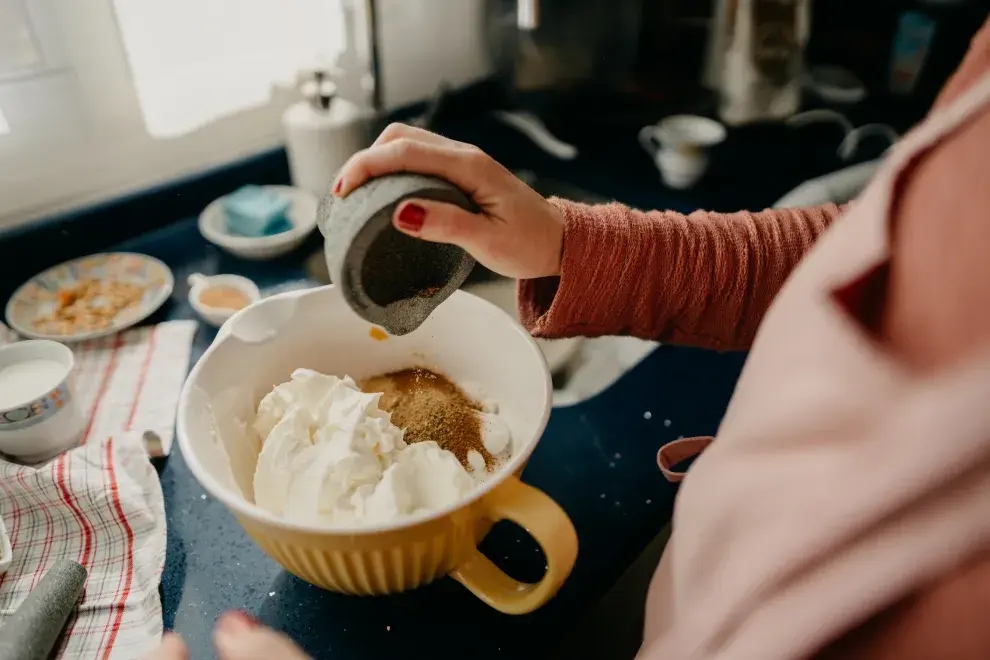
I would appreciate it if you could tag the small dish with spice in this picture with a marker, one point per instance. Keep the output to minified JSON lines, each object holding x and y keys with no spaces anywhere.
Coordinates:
{"x":218,"y":297}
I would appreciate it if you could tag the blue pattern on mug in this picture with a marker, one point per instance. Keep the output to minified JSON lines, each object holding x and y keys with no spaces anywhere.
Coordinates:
{"x":37,"y":411}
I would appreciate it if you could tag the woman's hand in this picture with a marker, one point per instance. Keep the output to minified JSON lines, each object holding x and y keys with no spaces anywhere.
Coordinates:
{"x":517,"y":233}
{"x":237,"y":637}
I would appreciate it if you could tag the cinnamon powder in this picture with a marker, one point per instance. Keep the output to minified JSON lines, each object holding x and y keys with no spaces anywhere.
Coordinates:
{"x":431,"y":407}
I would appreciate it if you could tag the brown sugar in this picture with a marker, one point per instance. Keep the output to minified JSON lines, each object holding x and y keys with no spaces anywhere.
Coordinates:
{"x":428,"y":406}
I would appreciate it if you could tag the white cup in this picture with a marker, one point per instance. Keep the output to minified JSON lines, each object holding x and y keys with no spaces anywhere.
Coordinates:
{"x":39,"y":417}
{"x":679,"y":147}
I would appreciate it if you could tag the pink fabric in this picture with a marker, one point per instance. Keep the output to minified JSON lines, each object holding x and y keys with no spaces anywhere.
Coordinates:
{"x":788,"y":532}
{"x":678,"y":451}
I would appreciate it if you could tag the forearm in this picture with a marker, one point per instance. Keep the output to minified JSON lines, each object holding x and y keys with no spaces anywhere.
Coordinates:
{"x":703,"y":279}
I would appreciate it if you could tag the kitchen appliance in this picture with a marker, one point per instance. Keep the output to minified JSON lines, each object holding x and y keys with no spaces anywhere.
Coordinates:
{"x":756,"y":58}
{"x":539,"y":45}
{"x":551,"y":56}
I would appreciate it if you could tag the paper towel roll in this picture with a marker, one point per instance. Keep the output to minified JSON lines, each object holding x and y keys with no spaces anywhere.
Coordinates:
{"x":319,"y":141}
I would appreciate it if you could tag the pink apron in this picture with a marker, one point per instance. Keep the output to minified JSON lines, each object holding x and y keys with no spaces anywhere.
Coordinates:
{"x":839,"y":481}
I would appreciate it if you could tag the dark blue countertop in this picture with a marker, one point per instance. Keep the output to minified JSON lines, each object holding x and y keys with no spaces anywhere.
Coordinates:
{"x":596,"y":459}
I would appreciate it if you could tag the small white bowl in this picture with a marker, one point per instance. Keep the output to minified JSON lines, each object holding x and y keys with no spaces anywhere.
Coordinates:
{"x":302,"y":215}
{"x":43,"y":418}
{"x":216,"y":316}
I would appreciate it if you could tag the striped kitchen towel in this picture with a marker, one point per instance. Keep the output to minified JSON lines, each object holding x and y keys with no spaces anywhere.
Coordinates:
{"x":101,"y":503}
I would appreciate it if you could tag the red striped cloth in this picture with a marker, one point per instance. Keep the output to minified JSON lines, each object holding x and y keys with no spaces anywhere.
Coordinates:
{"x":101,"y":503}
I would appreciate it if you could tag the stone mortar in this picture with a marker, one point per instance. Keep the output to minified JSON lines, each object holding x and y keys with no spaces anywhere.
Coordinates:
{"x":388,"y":278}
{"x":30,"y":633}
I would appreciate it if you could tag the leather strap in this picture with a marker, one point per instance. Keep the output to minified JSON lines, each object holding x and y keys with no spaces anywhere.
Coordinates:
{"x":679,"y":451}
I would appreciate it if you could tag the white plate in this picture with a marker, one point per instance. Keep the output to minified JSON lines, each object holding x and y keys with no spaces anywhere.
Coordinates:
{"x":38,"y":297}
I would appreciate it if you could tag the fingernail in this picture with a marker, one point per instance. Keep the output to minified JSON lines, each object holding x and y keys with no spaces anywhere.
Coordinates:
{"x":337,"y":186}
{"x":411,"y":217}
{"x":236,"y":621}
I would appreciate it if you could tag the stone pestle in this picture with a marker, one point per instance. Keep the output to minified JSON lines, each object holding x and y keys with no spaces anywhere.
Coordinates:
{"x":30,"y":633}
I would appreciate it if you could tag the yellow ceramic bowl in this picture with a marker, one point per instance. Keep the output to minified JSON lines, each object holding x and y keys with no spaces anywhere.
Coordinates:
{"x":471,"y":341}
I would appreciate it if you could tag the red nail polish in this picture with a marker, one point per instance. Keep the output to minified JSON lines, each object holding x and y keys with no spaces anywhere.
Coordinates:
{"x":336,"y":186}
{"x":411,"y":217}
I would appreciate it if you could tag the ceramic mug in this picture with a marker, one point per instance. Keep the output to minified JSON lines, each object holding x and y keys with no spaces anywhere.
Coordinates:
{"x":39,"y":416}
{"x":469,"y":340}
{"x":679,"y":147}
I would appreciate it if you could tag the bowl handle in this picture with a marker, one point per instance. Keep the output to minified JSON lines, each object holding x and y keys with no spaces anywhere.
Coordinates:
{"x":543,"y":518}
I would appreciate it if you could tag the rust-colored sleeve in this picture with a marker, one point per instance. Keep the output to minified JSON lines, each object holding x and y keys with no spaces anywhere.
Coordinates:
{"x":703,"y":279}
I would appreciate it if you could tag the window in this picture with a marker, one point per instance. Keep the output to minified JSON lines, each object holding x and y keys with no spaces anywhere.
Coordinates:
{"x":19,"y":52}
{"x":104,"y":97}
{"x":195,"y":61}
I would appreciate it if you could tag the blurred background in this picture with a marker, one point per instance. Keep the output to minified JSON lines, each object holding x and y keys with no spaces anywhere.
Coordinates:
{"x":100,"y":98}
{"x":126,"y":125}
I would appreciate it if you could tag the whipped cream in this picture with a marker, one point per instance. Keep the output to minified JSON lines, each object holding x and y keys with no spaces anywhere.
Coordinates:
{"x":330,"y":456}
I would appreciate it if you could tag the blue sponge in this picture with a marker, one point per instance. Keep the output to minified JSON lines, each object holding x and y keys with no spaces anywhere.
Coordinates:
{"x":254,"y":211}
